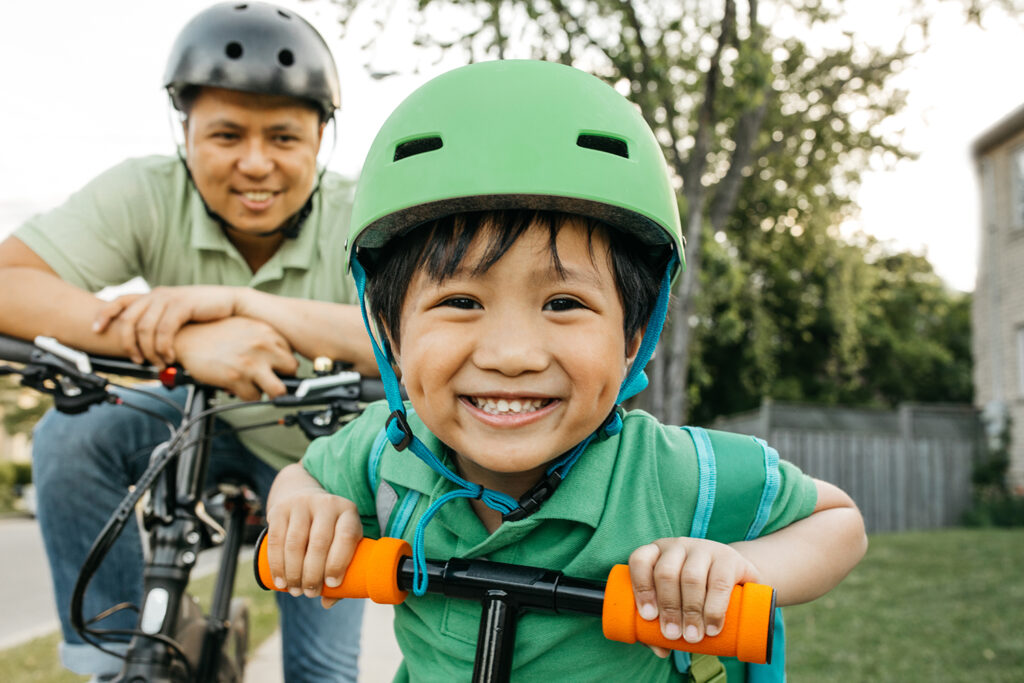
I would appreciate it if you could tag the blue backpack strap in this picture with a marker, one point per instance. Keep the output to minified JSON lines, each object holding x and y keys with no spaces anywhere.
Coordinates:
{"x":776,"y":671}
{"x":709,"y":485}
{"x":772,"y":482}
{"x":392,"y":515}
{"x":701,"y":668}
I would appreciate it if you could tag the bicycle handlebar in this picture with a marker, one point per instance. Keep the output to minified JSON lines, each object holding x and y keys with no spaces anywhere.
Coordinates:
{"x":300,"y":392}
{"x":382,"y":571}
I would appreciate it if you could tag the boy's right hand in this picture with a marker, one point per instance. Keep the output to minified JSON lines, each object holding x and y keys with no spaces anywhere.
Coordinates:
{"x":311,"y":537}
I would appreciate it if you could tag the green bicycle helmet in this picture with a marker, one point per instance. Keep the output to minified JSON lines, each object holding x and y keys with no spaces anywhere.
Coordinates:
{"x":254,"y":47}
{"x":513,"y":135}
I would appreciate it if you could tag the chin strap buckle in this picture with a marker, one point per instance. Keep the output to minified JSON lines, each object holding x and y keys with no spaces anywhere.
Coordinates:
{"x":532,"y":499}
{"x":397,"y":422}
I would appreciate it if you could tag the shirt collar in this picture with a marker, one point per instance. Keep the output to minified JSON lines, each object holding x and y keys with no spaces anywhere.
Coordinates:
{"x":580,"y":498}
{"x":295,"y":253}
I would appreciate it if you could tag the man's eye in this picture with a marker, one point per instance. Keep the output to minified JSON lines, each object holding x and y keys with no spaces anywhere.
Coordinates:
{"x":461,"y":302}
{"x":224,"y":135}
{"x":285,"y":139}
{"x":562,"y":304}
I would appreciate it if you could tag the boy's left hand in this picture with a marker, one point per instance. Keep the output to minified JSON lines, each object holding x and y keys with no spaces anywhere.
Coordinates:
{"x":687,"y":583}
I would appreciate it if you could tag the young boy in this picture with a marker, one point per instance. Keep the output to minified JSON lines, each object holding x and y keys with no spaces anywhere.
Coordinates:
{"x":516,"y":232}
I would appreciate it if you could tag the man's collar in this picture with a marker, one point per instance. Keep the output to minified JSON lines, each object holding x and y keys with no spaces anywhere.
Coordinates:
{"x":294,"y":253}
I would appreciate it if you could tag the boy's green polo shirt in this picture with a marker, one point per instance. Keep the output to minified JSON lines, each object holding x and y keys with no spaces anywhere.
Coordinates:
{"x":624,"y":492}
{"x":144,"y":218}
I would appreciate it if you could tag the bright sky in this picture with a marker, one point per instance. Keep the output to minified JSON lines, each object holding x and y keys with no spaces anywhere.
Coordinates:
{"x":80,"y":91}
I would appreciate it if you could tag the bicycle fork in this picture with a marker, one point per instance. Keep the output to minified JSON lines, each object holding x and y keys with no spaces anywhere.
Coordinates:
{"x":176,"y":534}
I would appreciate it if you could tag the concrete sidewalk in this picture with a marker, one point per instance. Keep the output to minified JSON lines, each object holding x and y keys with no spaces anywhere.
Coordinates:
{"x":379,"y":655}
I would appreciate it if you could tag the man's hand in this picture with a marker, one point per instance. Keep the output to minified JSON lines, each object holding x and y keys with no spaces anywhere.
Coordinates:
{"x":238,"y":354}
{"x":148,"y":323}
{"x":687,"y":582}
{"x":311,"y":534}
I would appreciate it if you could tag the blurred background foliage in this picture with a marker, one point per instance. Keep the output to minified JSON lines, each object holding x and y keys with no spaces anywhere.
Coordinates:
{"x":768,"y":113}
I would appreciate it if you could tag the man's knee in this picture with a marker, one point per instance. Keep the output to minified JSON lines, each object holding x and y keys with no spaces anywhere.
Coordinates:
{"x":106,"y":439}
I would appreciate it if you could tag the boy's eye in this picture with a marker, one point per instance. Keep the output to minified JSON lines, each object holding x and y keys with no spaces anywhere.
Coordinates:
{"x":225,"y":135}
{"x":562,"y":304}
{"x":461,"y":302}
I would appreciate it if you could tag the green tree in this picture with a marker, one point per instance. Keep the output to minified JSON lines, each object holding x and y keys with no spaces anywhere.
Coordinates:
{"x":765,"y":130}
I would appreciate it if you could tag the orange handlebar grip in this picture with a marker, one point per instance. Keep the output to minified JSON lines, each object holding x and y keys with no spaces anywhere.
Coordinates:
{"x":373,"y":572}
{"x":746,"y":634}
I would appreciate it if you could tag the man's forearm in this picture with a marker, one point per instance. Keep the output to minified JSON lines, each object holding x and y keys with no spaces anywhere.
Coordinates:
{"x":34,"y":302}
{"x":314,"y":328}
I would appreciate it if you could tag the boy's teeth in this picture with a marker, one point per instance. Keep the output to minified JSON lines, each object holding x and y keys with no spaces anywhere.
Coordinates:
{"x":258,"y":196}
{"x":501,"y":406}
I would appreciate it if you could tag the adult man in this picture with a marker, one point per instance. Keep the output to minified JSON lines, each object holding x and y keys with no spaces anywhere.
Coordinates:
{"x":242,"y":239}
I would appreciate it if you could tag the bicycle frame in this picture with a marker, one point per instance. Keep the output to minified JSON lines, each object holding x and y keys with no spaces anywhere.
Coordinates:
{"x":175,"y":539}
{"x":175,"y":516}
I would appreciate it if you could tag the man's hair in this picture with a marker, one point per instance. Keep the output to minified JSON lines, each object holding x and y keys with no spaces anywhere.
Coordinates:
{"x":439,"y":247}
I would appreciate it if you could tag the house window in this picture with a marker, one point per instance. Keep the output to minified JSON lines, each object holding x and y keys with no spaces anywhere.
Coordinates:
{"x":1017,"y":188}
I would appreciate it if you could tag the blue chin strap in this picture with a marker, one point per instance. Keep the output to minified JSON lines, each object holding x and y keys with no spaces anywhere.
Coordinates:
{"x":400,"y":434}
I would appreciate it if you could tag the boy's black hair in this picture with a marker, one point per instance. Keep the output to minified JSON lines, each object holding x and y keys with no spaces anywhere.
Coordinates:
{"x":440,"y":246}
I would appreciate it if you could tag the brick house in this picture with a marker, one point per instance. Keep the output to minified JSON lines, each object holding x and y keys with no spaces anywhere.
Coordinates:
{"x":998,"y":313}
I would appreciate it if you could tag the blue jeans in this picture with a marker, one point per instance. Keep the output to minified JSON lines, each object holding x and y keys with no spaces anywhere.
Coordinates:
{"x":82,"y":468}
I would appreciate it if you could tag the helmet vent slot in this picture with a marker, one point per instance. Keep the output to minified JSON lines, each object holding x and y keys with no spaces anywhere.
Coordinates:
{"x":603,"y":143}
{"x":285,"y":57}
{"x":233,"y":50}
{"x":418,"y":146}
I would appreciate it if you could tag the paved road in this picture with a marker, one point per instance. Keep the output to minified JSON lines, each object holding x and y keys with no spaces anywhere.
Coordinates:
{"x":25,"y":589}
{"x":379,"y":655}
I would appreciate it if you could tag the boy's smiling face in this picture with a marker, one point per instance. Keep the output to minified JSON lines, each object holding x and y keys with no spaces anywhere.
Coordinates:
{"x":516,"y":365}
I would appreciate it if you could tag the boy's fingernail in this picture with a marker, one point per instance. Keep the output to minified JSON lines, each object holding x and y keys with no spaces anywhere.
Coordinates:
{"x":671,"y":631}
{"x":310,"y":592}
{"x":279,"y":583}
{"x":692,"y":634}
{"x":332,"y":581}
{"x":648,"y":612}
{"x":295,"y":591}
{"x":712,"y":630}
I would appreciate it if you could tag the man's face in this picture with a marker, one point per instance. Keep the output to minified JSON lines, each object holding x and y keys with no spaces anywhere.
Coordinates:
{"x":252,"y":157}
{"x":512,"y":367}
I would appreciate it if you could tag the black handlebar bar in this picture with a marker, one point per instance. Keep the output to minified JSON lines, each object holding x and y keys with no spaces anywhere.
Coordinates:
{"x":300,"y":392}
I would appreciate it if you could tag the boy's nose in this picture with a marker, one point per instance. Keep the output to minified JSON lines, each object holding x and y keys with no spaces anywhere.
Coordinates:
{"x":511,"y":349}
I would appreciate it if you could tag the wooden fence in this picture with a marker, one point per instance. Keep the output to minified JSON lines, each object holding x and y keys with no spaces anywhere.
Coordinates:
{"x":906,"y":469}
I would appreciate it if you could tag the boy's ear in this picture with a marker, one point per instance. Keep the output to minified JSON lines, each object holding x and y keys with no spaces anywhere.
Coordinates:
{"x":382,"y":333}
{"x":632,"y":348}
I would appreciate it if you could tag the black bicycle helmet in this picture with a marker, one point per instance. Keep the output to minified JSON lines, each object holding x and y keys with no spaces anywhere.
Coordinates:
{"x":253,"y":47}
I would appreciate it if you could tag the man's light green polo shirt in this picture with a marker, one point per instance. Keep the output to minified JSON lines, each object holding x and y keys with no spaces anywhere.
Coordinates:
{"x":624,"y":492}
{"x":144,"y":218}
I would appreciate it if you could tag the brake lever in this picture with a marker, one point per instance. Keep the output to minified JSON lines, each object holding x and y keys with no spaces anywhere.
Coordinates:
{"x":73,"y":392}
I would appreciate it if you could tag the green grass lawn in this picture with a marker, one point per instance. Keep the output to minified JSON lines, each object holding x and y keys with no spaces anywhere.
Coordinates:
{"x":931,"y":606}
{"x":935,"y":606}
